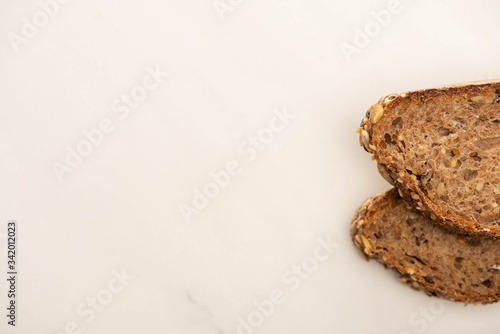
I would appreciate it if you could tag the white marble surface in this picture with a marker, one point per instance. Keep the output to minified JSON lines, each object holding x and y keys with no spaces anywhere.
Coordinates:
{"x":277,"y":227}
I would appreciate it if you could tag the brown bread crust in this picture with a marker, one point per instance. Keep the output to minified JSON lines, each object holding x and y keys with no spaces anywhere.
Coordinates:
{"x":451,"y":215}
{"x":425,"y":256}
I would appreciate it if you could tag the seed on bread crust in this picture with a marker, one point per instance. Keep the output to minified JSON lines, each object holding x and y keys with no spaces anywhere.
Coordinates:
{"x":366,"y":243}
{"x":481,"y":99}
{"x":376,"y":112}
{"x":385,"y":175}
{"x":365,"y":138}
{"x":388,"y":99}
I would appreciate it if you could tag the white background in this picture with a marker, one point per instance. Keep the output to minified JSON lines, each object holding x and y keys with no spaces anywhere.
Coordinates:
{"x":228,"y":73}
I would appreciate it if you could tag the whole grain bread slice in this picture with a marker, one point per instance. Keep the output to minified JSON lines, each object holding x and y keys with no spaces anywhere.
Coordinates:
{"x":427,"y":257}
{"x":441,"y":148}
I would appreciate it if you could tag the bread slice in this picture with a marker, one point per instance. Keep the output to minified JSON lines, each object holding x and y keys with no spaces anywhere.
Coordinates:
{"x":426,"y":256}
{"x":441,"y":148}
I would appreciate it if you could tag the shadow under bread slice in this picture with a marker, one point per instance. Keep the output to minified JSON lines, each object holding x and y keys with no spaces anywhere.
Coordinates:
{"x":425,"y":256}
